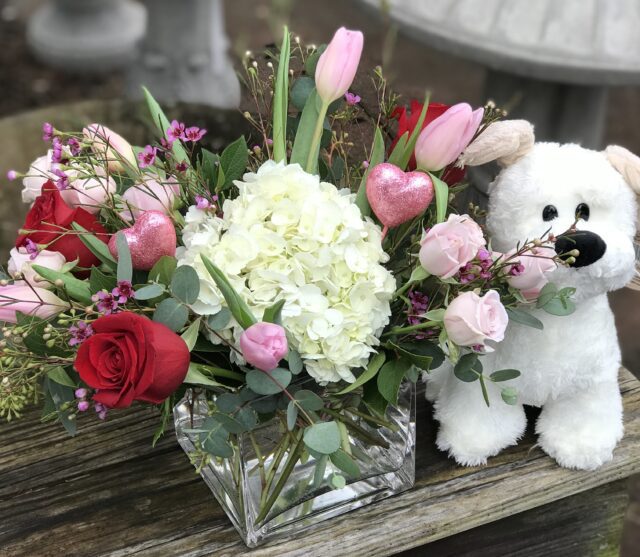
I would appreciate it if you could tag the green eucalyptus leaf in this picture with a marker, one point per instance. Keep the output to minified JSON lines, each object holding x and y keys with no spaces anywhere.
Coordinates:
{"x":268,"y":383}
{"x":171,"y":313}
{"x":309,"y":400}
{"x":149,"y":292}
{"x":228,"y":402}
{"x":95,"y":246}
{"x":548,"y":293}
{"x":60,"y":376}
{"x":524,"y":318}
{"x":295,"y":361}
{"x":337,"y":481}
{"x":214,"y":438}
{"x":468,"y":368}
{"x":509,"y":395}
{"x":323,"y":437}
{"x":230,"y":423}
{"x":247,"y":417}
{"x":560,"y":306}
{"x":185,"y":284}
{"x":300,"y":91}
{"x":504,"y":375}
{"x":125,"y":267}
{"x":312,"y":61}
{"x":100,"y":281}
{"x":345,"y":463}
{"x":292,"y":415}
{"x":62,"y":396}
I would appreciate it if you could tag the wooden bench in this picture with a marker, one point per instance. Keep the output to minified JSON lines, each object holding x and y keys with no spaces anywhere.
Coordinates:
{"x":106,"y":492}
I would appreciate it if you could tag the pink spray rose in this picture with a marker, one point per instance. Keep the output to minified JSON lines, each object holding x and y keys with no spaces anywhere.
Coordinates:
{"x":338,"y":64}
{"x":150,"y":195}
{"x":264,"y":345}
{"x":21,"y":261}
{"x":116,"y":150}
{"x":30,"y":300}
{"x":444,"y":139}
{"x":39,"y":173}
{"x":470,"y":319}
{"x":87,"y":191}
{"x":450,"y":245}
{"x":532,"y":273}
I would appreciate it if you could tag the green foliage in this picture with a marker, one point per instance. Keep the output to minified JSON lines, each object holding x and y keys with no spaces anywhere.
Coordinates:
{"x":300,"y":91}
{"x":208,"y":167}
{"x":190,"y":336}
{"x":398,"y":151}
{"x":468,"y":368}
{"x":369,"y":373}
{"x":281,"y":101}
{"x":60,"y":376}
{"x":523,"y":317}
{"x":422,"y":361}
{"x":100,"y":281}
{"x":337,"y":481}
{"x":233,"y":163}
{"x":77,"y":289}
{"x":171,"y":313}
{"x":442,"y":197}
{"x":309,"y":400}
{"x":405,"y":155}
{"x":162,"y":124}
{"x":303,"y":143}
{"x":150,"y":291}
{"x":509,"y":395}
{"x":268,"y":383}
{"x":504,"y":375}
{"x":344,"y":462}
{"x":377,"y":156}
{"x":63,"y":398}
{"x":556,"y":302}
{"x":220,"y":320}
{"x":322,"y":437}
{"x":196,"y":377}
{"x":390,"y":378}
{"x":214,"y":438}
{"x":312,"y":61}
{"x":295,"y":362}
{"x":228,"y":402}
{"x":125,"y":267}
{"x":292,"y":415}
{"x":95,"y":246}
{"x":273,"y":314}
{"x":185,"y":284}
{"x":163,"y":270}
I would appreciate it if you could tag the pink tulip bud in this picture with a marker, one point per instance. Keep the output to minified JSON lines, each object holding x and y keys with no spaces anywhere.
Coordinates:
{"x":150,"y":195}
{"x":264,"y":345}
{"x":114,"y":148}
{"x":444,"y":139}
{"x":29,"y":300}
{"x":338,"y":64}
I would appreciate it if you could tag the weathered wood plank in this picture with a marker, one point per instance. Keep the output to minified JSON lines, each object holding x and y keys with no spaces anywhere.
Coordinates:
{"x":107,"y":492}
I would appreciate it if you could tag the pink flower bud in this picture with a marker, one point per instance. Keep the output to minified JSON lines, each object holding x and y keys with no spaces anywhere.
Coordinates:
{"x":444,"y":139}
{"x":21,"y":261}
{"x":532,"y":272}
{"x":471,"y":320}
{"x":83,"y":405}
{"x":150,"y":195}
{"x":338,"y":64}
{"x":115,"y":150}
{"x":264,"y":345}
{"x":29,"y":300}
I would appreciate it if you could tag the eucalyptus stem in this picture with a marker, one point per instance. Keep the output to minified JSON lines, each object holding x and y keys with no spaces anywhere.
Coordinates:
{"x":258,"y":452}
{"x":372,"y":419}
{"x":411,"y":328}
{"x":312,"y":157}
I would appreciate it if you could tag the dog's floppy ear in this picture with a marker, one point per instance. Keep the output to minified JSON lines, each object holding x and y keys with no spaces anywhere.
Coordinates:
{"x":628,"y":164}
{"x":505,"y":142}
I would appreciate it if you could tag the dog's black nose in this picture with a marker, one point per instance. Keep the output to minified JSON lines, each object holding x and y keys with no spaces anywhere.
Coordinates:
{"x":590,"y":246}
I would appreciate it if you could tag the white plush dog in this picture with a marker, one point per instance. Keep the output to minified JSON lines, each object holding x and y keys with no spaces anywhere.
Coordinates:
{"x":570,"y":368}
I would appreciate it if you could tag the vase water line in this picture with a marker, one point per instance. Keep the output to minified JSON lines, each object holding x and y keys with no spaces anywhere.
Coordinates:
{"x":267,"y":490}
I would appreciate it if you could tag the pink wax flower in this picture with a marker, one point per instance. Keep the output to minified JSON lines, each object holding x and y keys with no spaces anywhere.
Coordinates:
{"x":113,"y":148}
{"x":472,"y":320}
{"x":22,"y":260}
{"x":175,"y":131}
{"x":150,"y":195}
{"x":444,"y":139}
{"x":338,"y":64}
{"x":48,"y":131}
{"x":28,"y":299}
{"x":351,"y":98}
{"x":194,"y":134}
{"x":147,"y":156}
{"x":531,"y":270}
{"x":450,"y":245}
{"x":263,"y":345}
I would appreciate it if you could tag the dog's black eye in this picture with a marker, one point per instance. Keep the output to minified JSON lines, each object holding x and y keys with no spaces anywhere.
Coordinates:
{"x":549,"y":213}
{"x":582,"y":211}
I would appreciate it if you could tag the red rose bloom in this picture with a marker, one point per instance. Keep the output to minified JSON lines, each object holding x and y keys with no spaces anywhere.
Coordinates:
{"x":49,"y":221}
{"x":407,"y":121}
{"x":129,"y":357}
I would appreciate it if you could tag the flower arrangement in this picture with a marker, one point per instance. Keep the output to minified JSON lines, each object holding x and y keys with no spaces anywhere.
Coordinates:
{"x":289,"y":282}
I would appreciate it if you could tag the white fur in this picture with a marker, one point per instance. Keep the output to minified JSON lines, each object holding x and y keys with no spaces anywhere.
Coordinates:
{"x":571,"y":367}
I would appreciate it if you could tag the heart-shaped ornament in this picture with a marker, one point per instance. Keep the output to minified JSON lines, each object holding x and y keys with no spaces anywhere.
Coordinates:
{"x":152,"y":236}
{"x":397,"y":196}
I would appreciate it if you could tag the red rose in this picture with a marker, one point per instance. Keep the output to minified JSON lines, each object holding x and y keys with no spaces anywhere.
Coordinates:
{"x":49,"y":221}
{"x":407,"y":121}
{"x":129,"y":357}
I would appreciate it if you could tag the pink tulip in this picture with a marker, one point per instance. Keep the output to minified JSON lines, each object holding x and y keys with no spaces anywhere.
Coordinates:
{"x":444,"y":139}
{"x":88,"y":191}
{"x":472,"y":320}
{"x":150,"y":195}
{"x":264,"y":345}
{"x":21,"y":261}
{"x":532,"y":273}
{"x":338,"y":64}
{"x":451,"y":244}
{"x":29,"y":300}
{"x":116,"y":150}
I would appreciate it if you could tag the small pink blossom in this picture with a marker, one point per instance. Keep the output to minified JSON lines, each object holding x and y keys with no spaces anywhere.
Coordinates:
{"x":194,"y":134}
{"x":12,"y":175}
{"x":47,"y":131}
{"x":351,"y":98}
{"x":176,"y":131}
{"x":147,"y":156}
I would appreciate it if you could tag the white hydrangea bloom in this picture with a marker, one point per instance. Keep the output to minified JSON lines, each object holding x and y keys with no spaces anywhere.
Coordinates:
{"x":289,"y":236}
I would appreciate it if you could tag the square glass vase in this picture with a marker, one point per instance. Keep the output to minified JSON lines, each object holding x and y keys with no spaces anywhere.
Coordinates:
{"x":271,"y":487}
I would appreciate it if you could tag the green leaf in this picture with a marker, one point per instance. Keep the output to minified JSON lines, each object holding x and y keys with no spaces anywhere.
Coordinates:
{"x":377,"y":156}
{"x":547,"y":294}
{"x":509,"y":395}
{"x":233,"y":161}
{"x":524,"y":318}
{"x":504,"y":375}
{"x":190,"y":336}
{"x":208,"y":167}
{"x":273,"y":314}
{"x":292,"y":415}
{"x":369,"y":373}
{"x":281,"y":101}
{"x":300,"y":91}
{"x":435,"y":315}
{"x":95,"y":246}
{"x":125,"y":268}
{"x":77,"y":289}
{"x":468,"y":368}
{"x":238,"y":307}
{"x":60,"y":376}
{"x":63,"y":397}
{"x":269,"y":383}
{"x":483,"y":386}
{"x":171,"y":313}
{"x":163,"y":270}
{"x":309,"y":400}
{"x":319,"y":471}
{"x":374,"y":401}
{"x":420,"y":360}
{"x":345,"y":463}
{"x":410,"y":146}
{"x":323,"y":437}
{"x":560,"y":306}
{"x":306,"y":129}
{"x":398,"y":151}
{"x":214,"y":438}
{"x":419,"y":274}
{"x":390,"y":377}
{"x":185,"y":284}
{"x":312,"y":61}
{"x":230,"y":423}
{"x":247,"y":417}
{"x":337,"y":481}
{"x":196,"y":377}
{"x":162,"y":124}
{"x":100,"y":281}
{"x":220,"y":320}
{"x":149,"y":292}
{"x":295,"y":361}
{"x":442,"y":197}
{"x":228,"y":402}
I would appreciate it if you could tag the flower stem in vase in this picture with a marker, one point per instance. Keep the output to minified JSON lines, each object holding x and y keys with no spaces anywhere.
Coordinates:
{"x":312,"y":158}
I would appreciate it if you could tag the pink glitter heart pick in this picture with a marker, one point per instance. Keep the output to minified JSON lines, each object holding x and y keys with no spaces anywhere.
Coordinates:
{"x":396,"y":196}
{"x":152,"y":236}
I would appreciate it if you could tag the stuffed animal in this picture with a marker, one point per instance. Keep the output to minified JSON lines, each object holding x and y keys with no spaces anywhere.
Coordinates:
{"x":569,"y":368}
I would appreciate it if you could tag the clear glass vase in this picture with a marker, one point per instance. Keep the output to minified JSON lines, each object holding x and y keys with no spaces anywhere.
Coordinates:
{"x":271,"y":486}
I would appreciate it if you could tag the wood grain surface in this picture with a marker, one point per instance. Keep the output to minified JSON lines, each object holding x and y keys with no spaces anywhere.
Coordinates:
{"x":106,"y":492}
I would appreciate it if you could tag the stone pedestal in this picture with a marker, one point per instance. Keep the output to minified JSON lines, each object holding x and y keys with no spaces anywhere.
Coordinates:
{"x":184,"y":55}
{"x":86,"y":35}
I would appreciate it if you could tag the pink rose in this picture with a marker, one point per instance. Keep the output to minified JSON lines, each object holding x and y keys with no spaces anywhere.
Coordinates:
{"x":29,"y":300}
{"x":115,"y":150}
{"x":530,"y":275}
{"x":87,"y":191}
{"x":450,"y":245}
{"x":264,"y":345}
{"x":471,"y":320}
{"x":39,"y":173}
{"x":150,"y":195}
{"x":21,"y":261}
